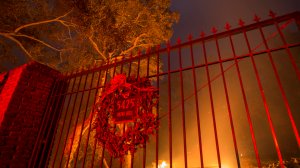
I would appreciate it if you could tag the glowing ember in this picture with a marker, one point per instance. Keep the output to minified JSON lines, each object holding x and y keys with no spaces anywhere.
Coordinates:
{"x":163,"y":164}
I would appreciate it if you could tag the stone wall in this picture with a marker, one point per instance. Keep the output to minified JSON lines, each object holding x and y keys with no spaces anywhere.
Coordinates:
{"x":24,"y":93}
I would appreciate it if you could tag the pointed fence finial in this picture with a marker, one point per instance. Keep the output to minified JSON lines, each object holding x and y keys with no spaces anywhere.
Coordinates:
{"x":74,"y":72}
{"x":178,"y":40}
{"x":227,"y":26}
{"x":241,"y":23}
{"x":157,"y":47}
{"x":131,"y":54}
{"x":88,"y":67}
{"x":202,"y":34}
{"x":168,"y":45}
{"x":94,"y":66}
{"x":272,"y":14}
{"x":214,"y":30}
{"x":148,"y":50}
{"x":256,"y":18}
{"x":190,"y":37}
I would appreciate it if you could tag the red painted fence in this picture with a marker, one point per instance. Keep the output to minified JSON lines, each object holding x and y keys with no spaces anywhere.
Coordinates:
{"x":230,"y":99}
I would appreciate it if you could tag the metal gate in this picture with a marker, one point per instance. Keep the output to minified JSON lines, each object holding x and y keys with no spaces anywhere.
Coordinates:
{"x":230,"y":99}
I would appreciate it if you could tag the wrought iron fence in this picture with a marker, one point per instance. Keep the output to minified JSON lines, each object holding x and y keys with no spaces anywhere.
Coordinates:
{"x":230,"y":99}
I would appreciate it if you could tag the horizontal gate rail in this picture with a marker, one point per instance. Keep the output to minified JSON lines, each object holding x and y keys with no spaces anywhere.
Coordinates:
{"x":288,"y":17}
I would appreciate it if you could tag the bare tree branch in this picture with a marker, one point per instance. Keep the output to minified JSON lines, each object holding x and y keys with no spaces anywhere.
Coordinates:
{"x":18,"y":43}
{"x":12,"y":36}
{"x":138,"y":16}
{"x":95,"y":46}
{"x":134,"y":44}
{"x":35,"y":39}
{"x":58,"y":19}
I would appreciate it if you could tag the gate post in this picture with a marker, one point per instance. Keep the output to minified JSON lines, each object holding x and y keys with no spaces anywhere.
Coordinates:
{"x":23,"y":99}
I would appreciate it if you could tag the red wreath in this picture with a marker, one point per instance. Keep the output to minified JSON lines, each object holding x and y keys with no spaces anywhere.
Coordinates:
{"x":142,"y":123}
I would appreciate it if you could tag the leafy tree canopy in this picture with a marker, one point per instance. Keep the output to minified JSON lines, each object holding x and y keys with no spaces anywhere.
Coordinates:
{"x":66,"y":34}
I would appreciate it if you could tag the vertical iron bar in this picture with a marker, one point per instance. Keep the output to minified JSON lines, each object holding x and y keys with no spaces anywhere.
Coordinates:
{"x":115,"y":124}
{"x":296,"y":133}
{"x":110,"y":162}
{"x":95,"y":143}
{"x":102,"y":155}
{"x":132,"y":160}
{"x":139,"y":63}
{"x":211,"y":104}
{"x":84,"y":117}
{"x":56,"y":105}
{"x":157,"y":107}
{"x":169,"y":104}
{"x":148,"y":64}
{"x":39,"y":139}
{"x":145,"y":144}
{"x":70,"y":122}
{"x":182,"y":107}
{"x":121,"y":73}
{"x":144,"y":154}
{"x":286,"y":46}
{"x":137,"y":76}
{"x":75,"y":126}
{"x":64,"y":121}
{"x":115,"y":67}
{"x":45,"y":116}
{"x":59,"y":115}
{"x":246,"y":103}
{"x":129,"y":73}
{"x":91,"y":120}
{"x":228,"y":103}
{"x":283,"y":95}
{"x":129,"y":70}
{"x":197,"y":106}
{"x":260,"y":86}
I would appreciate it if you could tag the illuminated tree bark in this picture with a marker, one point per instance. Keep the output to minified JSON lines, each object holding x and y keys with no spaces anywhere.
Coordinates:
{"x":90,"y":32}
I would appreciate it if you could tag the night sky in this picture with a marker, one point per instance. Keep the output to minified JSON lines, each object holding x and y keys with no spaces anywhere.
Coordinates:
{"x":200,"y":15}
